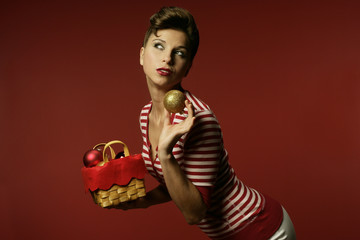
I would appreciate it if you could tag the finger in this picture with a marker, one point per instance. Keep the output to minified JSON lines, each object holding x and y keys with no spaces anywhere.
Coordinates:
{"x":190,"y":108}
{"x":167,"y":118}
{"x":189,"y":121}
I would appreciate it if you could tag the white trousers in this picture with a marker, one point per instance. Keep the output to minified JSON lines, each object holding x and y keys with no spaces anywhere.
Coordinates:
{"x":286,"y":229}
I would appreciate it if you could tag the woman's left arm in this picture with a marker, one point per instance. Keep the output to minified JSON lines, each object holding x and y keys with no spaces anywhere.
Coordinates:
{"x":182,"y":191}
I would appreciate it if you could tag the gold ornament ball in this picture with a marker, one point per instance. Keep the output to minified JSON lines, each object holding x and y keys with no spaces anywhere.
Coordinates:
{"x":174,"y":101}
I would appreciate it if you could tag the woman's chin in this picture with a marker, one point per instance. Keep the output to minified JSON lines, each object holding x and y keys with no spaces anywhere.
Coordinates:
{"x":164,"y":84}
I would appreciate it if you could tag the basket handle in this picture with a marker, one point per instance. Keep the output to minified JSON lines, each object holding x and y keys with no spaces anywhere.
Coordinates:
{"x":108,"y":145}
{"x":103,"y":144}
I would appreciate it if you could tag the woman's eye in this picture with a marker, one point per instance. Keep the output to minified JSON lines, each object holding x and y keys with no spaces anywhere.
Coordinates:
{"x":159,"y":46}
{"x":180,"y":53}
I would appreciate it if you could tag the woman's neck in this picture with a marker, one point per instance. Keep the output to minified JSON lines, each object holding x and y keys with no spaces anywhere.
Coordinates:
{"x":157,"y":97}
{"x":157,"y":109}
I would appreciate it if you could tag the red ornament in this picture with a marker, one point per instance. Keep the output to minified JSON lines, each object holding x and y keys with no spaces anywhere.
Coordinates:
{"x":92,"y":157}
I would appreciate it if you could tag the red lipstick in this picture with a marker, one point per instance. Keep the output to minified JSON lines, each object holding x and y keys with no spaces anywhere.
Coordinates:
{"x":164,"y":71}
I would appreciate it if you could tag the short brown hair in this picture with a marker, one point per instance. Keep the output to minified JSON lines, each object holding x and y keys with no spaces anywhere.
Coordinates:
{"x":175,"y":18}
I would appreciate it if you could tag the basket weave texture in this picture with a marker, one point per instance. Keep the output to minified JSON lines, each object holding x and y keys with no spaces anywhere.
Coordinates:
{"x":116,"y":180}
{"x":119,"y":194}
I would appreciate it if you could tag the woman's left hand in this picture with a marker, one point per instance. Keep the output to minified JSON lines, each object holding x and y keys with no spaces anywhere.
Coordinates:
{"x":171,"y":133}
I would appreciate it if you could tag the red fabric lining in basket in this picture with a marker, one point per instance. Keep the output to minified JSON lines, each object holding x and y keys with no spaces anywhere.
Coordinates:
{"x":117,"y":171}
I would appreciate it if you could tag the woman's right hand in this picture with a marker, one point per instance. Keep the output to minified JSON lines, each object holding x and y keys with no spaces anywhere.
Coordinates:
{"x":134,"y":204}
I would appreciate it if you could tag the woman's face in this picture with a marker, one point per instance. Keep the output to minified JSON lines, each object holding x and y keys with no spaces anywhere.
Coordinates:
{"x":166,"y":58}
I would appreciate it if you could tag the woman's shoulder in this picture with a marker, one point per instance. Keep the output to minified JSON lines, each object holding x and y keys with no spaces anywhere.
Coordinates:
{"x":198,"y":104}
{"x":144,"y":113}
{"x":205,"y":117}
{"x":146,"y":108}
{"x":200,"y":107}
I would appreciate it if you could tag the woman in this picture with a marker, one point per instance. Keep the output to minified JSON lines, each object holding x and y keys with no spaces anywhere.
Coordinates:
{"x":185,"y":151}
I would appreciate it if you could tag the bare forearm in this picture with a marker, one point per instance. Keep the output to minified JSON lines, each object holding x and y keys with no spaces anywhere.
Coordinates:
{"x":182,"y":191}
{"x":157,"y":196}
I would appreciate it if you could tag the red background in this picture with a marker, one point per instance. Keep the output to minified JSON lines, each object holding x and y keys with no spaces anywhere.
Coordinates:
{"x":281,"y":76}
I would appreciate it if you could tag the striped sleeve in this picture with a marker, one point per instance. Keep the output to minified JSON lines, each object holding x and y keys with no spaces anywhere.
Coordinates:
{"x":203,"y":147}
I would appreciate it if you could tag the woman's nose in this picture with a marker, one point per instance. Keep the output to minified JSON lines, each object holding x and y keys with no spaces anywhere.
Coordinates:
{"x":168,"y":58}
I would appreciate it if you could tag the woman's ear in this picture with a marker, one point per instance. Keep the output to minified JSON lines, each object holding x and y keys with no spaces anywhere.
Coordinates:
{"x":142,"y":56}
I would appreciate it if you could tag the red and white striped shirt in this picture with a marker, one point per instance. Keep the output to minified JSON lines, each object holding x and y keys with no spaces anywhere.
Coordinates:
{"x":201,"y":155}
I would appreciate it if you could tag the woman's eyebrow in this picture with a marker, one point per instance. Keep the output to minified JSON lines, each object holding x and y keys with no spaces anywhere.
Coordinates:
{"x":183,"y":47}
{"x":158,"y":39}
{"x":161,"y":40}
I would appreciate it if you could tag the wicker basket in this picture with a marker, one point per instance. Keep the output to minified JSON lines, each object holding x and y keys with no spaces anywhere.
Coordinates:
{"x":117,"y":194}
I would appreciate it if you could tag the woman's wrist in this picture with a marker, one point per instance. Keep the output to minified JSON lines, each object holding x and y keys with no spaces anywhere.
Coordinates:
{"x":164,"y":153}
